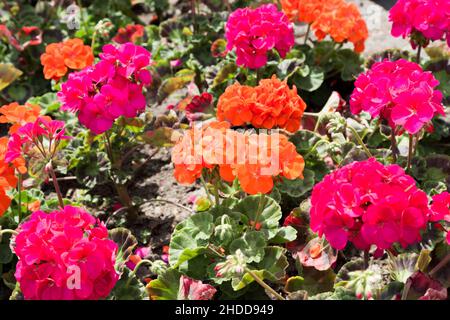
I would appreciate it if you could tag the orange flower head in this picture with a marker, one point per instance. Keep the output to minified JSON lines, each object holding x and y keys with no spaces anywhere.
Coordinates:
{"x":5,"y":202}
{"x":18,"y":115}
{"x":254,"y":159}
{"x":339,"y":19}
{"x":62,"y":56}
{"x":272,"y":104}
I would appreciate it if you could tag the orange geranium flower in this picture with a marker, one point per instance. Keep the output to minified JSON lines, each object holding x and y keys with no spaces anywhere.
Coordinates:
{"x":18,"y":115}
{"x":339,"y":19}
{"x":5,"y":202}
{"x":269,"y":105}
{"x":62,"y":56}
{"x":254,"y":159}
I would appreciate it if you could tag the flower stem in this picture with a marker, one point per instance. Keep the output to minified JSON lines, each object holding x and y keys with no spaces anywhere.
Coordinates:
{"x":440,"y":265}
{"x":419,"y":51}
{"x":360,"y":141}
{"x":6,"y":231}
{"x":208,"y":194}
{"x":307,"y":34}
{"x":394,"y":146}
{"x":410,"y":152}
{"x":56,"y":185}
{"x":263,"y":284}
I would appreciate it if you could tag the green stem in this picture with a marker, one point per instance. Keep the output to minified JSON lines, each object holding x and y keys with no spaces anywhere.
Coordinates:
{"x":263,"y":284}
{"x":360,"y":141}
{"x":419,"y":51}
{"x":410,"y":152}
{"x":394,"y":146}
{"x":6,"y":231}
{"x":133,"y":273}
{"x":440,"y":265}
{"x":307,"y":34}
{"x":56,"y":185}
{"x":208,"y":194}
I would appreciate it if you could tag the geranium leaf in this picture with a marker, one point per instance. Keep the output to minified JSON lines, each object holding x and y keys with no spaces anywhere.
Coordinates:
{"x":190,"y":238}
{"x":126,"y":242}
{"x":297,"y":187}
{"x":268,"y":218}
{"x":166,"y":287}
{"x":251,"y":244}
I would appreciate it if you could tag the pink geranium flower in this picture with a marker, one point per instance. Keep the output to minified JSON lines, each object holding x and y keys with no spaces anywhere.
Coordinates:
{"x":65,"y":254}
{"x":368,"y":203}
{"x":428,"y":18}
{"x":110,"y":89}
{"x":399,"y":92}
{"x":254,"y":32}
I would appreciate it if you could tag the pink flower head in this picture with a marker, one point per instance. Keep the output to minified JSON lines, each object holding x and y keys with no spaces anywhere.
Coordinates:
{"x":254,"y":32}
{"x":440,"y":207}
{"x":384,"y":207}
{"x":139,"y":254}
{"x":65,"y":255}
{"x":44,"y":133}
{"x":399,"y":92}
{"x":110,"y":89}
{"x":429,"y":18}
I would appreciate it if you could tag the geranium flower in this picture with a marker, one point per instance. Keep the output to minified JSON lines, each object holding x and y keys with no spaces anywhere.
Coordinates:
{"x":251,"y":158}
{"x":440,"y":207}
{"x":110,"y":89}
{"x":18,"y":115}
{"x":272,"y":104}
{"x":254,"y":32}
{"x":399,"y":92}
{"x":386,"y":207}
{"x":62,"y":56}
{"x":339,"y":19}
{"x":44,"y":134}
{"x":428,"y":18}
{"x":64,"y":255}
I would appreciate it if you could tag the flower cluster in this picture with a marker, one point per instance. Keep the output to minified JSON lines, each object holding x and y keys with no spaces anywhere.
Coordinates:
{"x":427,"y":18}
{"x":131,"y":33}
{"x":43,"y":135}
{"x":8,"y":179}
{"x":339,"y":19}
{"x":17,"y":115}
{"x":62,"y":56}
{"x":254,"y":32}
{"x":368,"y":203}
{"x":65,"y":255}
{"x":399,"y":92}
{"x":271,"y":104}
{"x":110,"y":89}
{"x":440,"y":209}
{"x":251,"y":158}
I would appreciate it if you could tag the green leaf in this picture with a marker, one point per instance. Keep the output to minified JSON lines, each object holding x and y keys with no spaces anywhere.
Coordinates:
{"x":8,"y":74}
{"x":269,"y":216}
{"x":285,"y":234}
{"x":251,"y":244}
{"x":129,"y":287}
{"x":272,"y":268}
{"x":297,"y":187}
{"x":312,"y":81}
{"x":166,"y":286}
{"x":294,"y":284}
{"x":190,"y":238}
{"x":126,"y":242}
{"x":288,"y":67}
